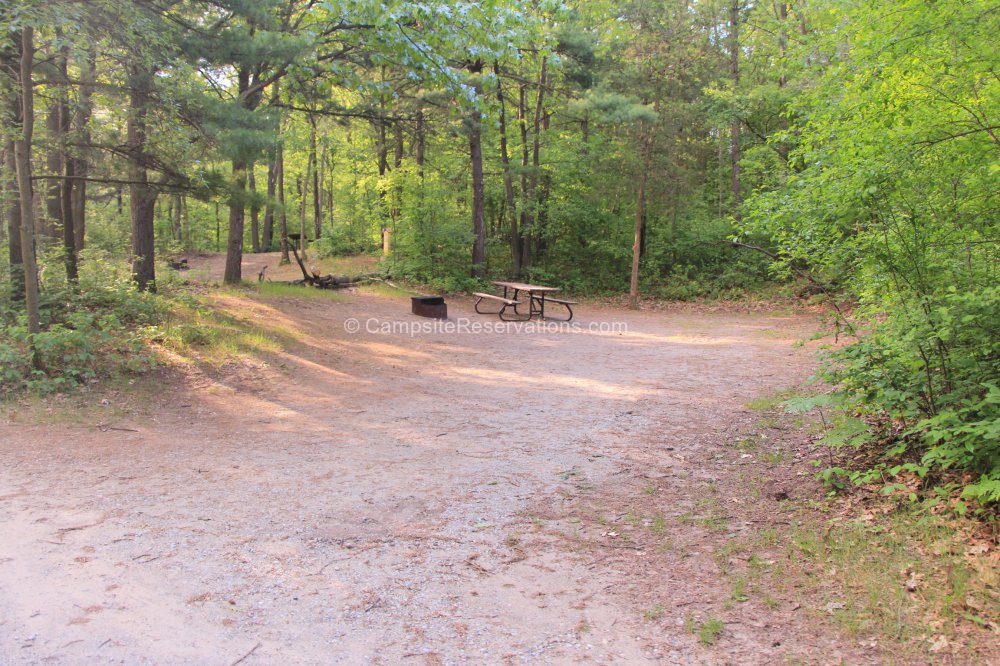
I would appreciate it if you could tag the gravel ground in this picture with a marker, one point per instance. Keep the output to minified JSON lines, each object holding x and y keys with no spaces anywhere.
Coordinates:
{"x":377,"y":498}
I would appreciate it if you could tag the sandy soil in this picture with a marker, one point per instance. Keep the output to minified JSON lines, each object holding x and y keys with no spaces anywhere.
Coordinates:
{"x":380,"y":498}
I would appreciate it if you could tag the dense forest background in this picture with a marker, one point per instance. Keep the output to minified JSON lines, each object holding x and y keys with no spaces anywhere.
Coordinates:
{"x":677,"y":149}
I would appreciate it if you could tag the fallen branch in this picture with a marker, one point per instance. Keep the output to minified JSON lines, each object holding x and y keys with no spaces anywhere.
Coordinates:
{"x":314,"y":279}
{"x":244,"y":657}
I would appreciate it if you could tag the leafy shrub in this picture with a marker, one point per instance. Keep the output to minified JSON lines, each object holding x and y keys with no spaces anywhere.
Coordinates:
{"x":96,"y":328}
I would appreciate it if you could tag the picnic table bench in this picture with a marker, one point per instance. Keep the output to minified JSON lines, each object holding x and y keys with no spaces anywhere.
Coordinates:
{"x":507,"y":302}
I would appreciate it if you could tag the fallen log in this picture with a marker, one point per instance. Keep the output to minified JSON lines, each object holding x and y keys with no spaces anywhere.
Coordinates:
{"x":314,"y":279}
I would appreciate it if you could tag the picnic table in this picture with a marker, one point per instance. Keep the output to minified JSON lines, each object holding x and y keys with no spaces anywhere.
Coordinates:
{"x":538,"y":295}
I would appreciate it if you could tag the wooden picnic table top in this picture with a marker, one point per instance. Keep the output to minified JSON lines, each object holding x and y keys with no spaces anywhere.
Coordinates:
{"x":521,"y":286}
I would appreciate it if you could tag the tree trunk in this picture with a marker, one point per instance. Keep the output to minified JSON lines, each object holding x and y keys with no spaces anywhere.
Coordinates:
{"x":419,"y":140}
{"x":783,"y":79}
{"x":142,"y":197}
{"x":69,"y":233}
{"x":282,"y":213}
{"x":48,"y":227}
{"x":734,"y":74}
{"x":328,"y":157}
{"x":254,"y":212}
{"x":81,"y":162}
{"x":302,"y":184}
{"x":234,"y":240}
{"x":474,"y":121}
{"x":22,"y":153}
{"x":237,"y":201}
{"x":382,"y":150}
{"x":525,"y":227}
{"x":69,"y":167}
{"x":177,"y":231}
{"x":317,"y":191}
{"x":640,"y":223}
{"x":185,"y":224}
{"x":13,"y":215}
{"x":533,"y":195}
{"x":267,"y":232}
{"x":478,"y":205}
{"x":322,"y":185}
{"x":508,"y":182}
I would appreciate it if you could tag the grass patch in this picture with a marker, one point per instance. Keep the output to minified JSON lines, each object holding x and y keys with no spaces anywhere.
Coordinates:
{"x":654,"y":613}
{"x":658,"y":524}
{"x":202,"y":329}
{"x":213,"y":336}
{"x":908,"y":578}
{"x":774,"y":457}
{"x":739,"y":592}
{"x":708,"y":513}
{"x":770,"y":402}
{"x":708,"y":632}
{"x":277,"y":289}
{"x":382,"y":289}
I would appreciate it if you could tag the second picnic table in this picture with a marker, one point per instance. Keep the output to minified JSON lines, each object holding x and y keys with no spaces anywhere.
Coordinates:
{"x":537,"y":296}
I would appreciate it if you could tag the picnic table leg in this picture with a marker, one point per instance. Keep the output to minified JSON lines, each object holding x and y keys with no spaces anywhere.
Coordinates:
{"x":516,"y":292}
{"x":537,"y":306}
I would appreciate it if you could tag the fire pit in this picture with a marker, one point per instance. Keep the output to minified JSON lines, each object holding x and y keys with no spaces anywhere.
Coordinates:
{"x":429,"y":306}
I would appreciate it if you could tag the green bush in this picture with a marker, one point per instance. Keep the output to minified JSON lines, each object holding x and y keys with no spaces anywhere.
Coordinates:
{"x":95,"y":328}
{"x":933,"y":366}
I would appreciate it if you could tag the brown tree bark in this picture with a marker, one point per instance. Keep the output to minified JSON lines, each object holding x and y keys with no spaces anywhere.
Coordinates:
{"x":254,"y":211}
{"x":13,"y":215}
{"x":640,"y":221}
{"x":267,"y":230}
{"x":185,"y":224}
{"x":81,"y":166}
{"x":176,"y":230}
{"x":22,"y":158}
{"x":47,"y":227}
{"x":478,"y":198}
{"x":783,"y":79}
{"x":328,"y":159}
{"x":734,"y":75}
{"x":529,"y":183}
{"x":317,"y":190}
{"x":478,"y":187}
{"x":419,"y":139}
{"x":382,"y":153}
{"x":69,"y":169}
{"x":233,"y":273}
{"x":525,"y":226}
{"x":234,"y":239}
{"x":282,"y":212}
{"x":508,"y":181}
{"x":267,"y":233}
{"x":249,"y":98}
{"x":321,"y":185}
{"x":302,"y":184}
{"x":142,"y":196}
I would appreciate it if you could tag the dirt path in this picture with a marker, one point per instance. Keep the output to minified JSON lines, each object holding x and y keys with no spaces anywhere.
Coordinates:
{"x":381,"y":498}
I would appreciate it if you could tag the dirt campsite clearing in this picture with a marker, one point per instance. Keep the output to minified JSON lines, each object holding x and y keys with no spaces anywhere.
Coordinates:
{"x":438,"y":497}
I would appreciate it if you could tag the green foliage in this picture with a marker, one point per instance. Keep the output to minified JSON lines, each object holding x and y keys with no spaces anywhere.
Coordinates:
{"x":708,"y":632}
{"x":95,"y":329}
{"x":894,"y":198}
